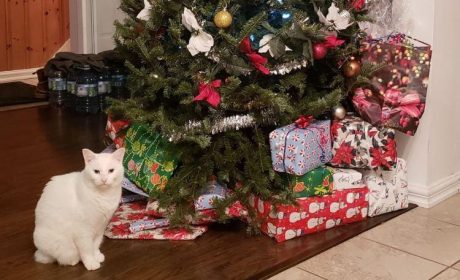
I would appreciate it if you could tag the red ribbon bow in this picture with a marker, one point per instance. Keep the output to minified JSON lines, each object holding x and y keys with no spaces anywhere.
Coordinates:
{"x":208,"y":92}
{"x":360,"y":99}
{"x":409,"y":105}
{"x":256,"y":59}
{"x":304,"y":121}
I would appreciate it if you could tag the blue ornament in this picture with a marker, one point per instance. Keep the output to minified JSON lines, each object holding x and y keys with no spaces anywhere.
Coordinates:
{"x":279,"y":18}
{"x":255,"y":37}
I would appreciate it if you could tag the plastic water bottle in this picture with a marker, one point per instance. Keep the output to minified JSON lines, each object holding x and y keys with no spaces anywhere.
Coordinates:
{"x":70,"y":97}
{"x":57,"y":87}
{"x":87,"y":99}
{"x":118,"y":84}
{"x":104,"y":88}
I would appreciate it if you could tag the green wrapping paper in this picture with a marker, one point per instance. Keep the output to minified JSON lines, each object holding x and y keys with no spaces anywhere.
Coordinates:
{"x":146,"y":162}
{"x":317,"y":182}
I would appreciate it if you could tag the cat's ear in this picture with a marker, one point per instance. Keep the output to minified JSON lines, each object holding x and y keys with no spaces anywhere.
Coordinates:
{"x":88,"y":155}
{"x":119,"y":154}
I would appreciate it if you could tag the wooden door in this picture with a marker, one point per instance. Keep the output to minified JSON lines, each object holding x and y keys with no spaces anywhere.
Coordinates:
{"x":31,"y":31}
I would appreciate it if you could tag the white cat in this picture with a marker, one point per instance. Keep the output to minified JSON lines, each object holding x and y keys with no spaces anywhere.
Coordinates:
{"x":74,"y":210}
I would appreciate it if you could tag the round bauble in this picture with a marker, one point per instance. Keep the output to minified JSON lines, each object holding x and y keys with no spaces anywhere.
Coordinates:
{"x":339,"y":112}
{"x":223,"y":19}
{"x":139,"y":28}
{"x":319,"y":51}
{"x":279,"y":18}
{"x":352,"y":69}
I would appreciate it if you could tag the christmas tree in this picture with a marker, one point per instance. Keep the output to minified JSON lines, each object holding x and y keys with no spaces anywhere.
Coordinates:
{"x":216,"y":77}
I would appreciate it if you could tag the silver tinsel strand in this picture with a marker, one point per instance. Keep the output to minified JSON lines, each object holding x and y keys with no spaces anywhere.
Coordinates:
{"x":288,"y":67}
{"x":223,"y":124}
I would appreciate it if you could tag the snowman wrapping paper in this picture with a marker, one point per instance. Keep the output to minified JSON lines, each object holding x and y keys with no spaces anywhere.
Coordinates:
{"x":388,"y":190}
{"x":312,"y":214}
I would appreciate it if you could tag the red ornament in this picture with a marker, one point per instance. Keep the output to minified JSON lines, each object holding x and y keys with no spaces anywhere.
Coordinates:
{"x":319,"y":51}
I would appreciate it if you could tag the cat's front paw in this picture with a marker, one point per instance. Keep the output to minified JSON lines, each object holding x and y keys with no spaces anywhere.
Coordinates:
{"x":99,"y":256}
{"x":92,"y":264}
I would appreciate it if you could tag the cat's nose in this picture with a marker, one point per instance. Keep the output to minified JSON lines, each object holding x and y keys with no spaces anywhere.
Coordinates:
{"x":104,"y":180}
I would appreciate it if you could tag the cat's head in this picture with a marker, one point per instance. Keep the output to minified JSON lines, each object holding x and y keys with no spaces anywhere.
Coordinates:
{"x":104,"y":169}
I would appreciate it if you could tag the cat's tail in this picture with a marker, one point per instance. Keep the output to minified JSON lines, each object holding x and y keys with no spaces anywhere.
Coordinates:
{"x":42,"y":257}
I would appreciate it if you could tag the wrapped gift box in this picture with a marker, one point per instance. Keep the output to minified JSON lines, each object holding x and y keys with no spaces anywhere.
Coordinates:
{"x":114,"y":130}
{"x":213,"y":191}
{"x":129,"y":213}
{"x":316,"y":182}
{"x":358,"y":144}
{"x":388,"y":190}
{"x":298,"y":150}
{"x":147,"y":162}
{"x":147,"y":224}
{"x":346,"y":179}
{"x":312,"y":214}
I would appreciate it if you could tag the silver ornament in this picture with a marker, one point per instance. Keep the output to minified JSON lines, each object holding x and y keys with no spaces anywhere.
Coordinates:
{"x":339,"y":112}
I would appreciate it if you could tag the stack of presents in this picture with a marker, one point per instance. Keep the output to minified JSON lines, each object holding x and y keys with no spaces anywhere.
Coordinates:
{"x":341,"y":171}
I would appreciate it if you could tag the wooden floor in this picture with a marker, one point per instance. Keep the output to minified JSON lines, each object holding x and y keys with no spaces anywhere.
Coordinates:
{"x":37,"y":143}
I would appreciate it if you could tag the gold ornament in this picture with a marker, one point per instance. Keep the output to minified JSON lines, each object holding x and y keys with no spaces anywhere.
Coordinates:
{"x":351,"y":69}
{"x":339,"y":112}
{"x":223,"y":19}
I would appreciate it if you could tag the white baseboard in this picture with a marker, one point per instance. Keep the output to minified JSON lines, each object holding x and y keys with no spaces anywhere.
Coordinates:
{"x":17,"y":75}
{"x":429,"y":196}
{"x":24,"y":74}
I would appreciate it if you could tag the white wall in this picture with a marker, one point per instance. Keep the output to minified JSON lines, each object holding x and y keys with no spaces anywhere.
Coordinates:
{"x":433,"y":155}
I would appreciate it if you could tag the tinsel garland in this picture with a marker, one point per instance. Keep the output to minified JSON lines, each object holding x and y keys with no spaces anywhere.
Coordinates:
{"x":288,"y":67}
{"x":223,"y":124}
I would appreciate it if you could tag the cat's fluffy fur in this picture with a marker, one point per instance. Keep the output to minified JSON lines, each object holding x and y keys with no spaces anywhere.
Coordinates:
{"x":74,"y":210}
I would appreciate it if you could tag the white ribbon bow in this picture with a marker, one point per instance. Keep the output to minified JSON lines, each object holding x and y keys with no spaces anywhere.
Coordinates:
{"x":338,"y":20}
{"x":200,"y":41}
{"x":145,"y":13}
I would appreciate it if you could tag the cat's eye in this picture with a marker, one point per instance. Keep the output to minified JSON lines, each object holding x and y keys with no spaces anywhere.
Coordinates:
{"x":111,"y":170}
{"x":97,"y":171}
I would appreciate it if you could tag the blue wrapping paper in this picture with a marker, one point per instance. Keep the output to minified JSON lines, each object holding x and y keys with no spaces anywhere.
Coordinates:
{"x":142,"y":225}
{"x":297,"y":151}
{"x":213,"y":191}
{"x":130,"y":186}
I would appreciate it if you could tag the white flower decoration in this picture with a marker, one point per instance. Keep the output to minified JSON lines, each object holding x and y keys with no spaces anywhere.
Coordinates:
{"x":145,"y":13}
{"x":265,"y":46}
{"x":200,"y":41}
{"x":338,"y":20}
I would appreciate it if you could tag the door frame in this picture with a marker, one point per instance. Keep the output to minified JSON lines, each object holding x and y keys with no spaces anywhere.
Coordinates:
{"x":81,"y":26}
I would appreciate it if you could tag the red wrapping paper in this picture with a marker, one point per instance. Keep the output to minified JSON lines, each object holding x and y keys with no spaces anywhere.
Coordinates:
{"x":312,"y":215}
{"x":114,"y":129}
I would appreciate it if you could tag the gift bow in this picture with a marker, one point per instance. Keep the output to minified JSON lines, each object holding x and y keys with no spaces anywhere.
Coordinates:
{"x":360,"y":99}
{"x":256,"y":59}
{"x":409,"y":105}
{"x":208,"y":92}
{"x":304,"y":121}
{"x":200,"y":41}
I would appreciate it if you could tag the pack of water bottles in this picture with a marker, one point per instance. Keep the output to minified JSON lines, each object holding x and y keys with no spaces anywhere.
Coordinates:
{"x":85,"y":90}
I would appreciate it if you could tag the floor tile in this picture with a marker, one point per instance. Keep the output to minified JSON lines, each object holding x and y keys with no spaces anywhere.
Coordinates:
{"x":450,"y":274}
{"x":446,"y":211}
{"x":421,"y":236}
{"x":362,"y":259}
{"x":295,"y":274}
